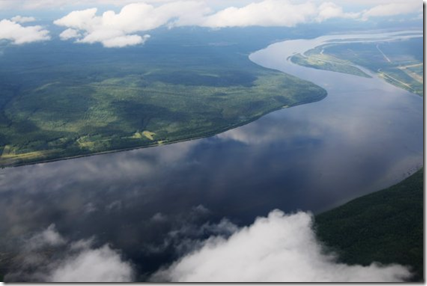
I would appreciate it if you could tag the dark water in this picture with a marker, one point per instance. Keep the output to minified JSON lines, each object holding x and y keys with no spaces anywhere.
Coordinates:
{"x":366,"y":135}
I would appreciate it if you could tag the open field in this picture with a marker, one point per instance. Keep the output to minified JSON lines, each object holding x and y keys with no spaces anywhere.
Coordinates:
{"x":399,"y":62}
{"x":52,"y":108}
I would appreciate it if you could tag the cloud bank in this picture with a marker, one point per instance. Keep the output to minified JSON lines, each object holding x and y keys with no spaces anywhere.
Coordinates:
{"x":278,"y":13}
{"x":13,"y":31}
{"x":122,"y":29}
{"x":266,"y":13}
{"x":279,"y":248}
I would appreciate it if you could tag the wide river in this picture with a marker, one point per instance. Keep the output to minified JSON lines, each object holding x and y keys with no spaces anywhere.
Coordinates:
{"x":366,"y":135}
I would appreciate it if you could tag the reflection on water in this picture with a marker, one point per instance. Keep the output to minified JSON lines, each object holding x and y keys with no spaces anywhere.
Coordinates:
{"x":364,"y":136}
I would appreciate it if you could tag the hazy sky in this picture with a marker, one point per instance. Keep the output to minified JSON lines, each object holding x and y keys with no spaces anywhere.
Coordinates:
{"x":49,"y":4}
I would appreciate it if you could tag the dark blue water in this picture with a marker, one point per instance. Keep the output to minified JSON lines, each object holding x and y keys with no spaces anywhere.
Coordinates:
{"x":366,"y":135}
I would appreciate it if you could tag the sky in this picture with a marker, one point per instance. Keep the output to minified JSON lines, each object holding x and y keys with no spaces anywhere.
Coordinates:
{"x":117,"y":24}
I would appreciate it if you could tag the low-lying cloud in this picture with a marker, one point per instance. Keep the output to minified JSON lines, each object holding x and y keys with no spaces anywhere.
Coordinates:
{"x":48,"y":237}
{"x":276,"y":248}
{"x":78,"y":261}
{"x":91,"y":265}
{"x":279,"y":248}
{"x":13,"y":31}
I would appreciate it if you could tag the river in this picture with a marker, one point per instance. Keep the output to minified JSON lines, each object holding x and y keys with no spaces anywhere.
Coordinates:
{"x":366,"y":135}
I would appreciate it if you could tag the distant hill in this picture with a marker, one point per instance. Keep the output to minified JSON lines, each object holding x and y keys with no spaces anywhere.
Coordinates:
{"x":386,"y":227}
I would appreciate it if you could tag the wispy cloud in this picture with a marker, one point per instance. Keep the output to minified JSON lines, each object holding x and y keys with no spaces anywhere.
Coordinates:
{"x":393,"y":9}
{"x":278,"y":248}
{"x":48,"y":237}
{"x":22,"y":19}
{"x":78,"y":261}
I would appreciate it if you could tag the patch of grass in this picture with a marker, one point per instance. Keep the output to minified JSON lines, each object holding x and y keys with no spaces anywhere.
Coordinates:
{"x":386,"y":227}
{"x":149,"y":135}
{"x":146,"y":134}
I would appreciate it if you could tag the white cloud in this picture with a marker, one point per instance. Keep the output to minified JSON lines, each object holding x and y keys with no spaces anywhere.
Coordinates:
{"x":69,"y":34}
{"x":279,"y":248}
{"x":92,"y":265}
{"x":118,"y":29}
{"x":265,"y":13}
{"x":123,"y":41}
{"x":393,"y":9}
{"x":121,"y":29}
{"x":83,"y":19}
{"x":329,"y":10}
{"x":10,"y":30}
{"x":77,"y":261}
{"x":21,"y":19}
{"x":113,"y":39}
{"x":215,"y":4}
{"x":48,"y":237}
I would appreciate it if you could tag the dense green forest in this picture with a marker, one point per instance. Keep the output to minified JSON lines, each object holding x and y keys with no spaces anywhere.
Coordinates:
{"x":386,"y":227}
{"x":64,"y":100}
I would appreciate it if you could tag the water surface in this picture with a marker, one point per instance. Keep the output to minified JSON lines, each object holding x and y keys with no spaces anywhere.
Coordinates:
{"x":366,"y":135}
